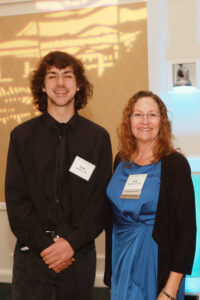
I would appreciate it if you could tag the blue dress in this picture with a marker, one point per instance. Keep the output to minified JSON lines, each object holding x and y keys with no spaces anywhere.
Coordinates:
{"x":134,"y":252}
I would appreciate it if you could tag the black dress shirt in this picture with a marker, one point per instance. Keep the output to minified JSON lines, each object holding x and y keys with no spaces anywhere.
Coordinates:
{"x":32,"y":200}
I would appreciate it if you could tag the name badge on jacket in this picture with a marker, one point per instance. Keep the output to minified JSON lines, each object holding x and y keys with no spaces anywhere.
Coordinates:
{"x":82,"y":168}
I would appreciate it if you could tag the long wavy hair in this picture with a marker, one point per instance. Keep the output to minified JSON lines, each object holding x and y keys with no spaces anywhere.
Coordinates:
{"x":59,"y":60}
{"x":127,"y":142}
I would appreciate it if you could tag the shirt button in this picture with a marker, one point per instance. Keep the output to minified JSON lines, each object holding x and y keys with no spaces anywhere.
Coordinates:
{"x":60,"y":137}
{"x":57,"y":200}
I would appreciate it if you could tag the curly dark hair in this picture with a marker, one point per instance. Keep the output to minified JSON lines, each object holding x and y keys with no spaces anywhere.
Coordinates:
{"x":127,"y":142}
{"x":60,"y":60}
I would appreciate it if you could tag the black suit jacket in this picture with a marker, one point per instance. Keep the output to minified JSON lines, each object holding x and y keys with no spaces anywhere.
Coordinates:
{"x":30,"y":181}
{"x":175,"y":224}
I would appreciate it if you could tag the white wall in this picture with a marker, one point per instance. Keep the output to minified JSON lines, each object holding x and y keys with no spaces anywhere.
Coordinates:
{"x":174,"y":37}
{"x":183,"y":29}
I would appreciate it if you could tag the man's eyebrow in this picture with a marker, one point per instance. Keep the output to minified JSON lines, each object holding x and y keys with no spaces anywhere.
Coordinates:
{"x":51,"y":72}
{"x":54,"y":72}
{"x":69,"y":71}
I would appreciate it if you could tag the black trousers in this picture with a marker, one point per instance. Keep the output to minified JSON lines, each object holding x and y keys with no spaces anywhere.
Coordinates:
{"x":32,"y":280}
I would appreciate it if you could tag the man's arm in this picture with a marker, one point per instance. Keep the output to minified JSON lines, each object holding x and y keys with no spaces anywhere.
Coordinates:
{"x":108,"y":226}
{"x":90,"y":223}
{"x":23,"y":218}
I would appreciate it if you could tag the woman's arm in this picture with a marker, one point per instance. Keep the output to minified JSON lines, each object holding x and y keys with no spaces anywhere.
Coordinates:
{"x":175,"y":224}
{"x":171,"y":287}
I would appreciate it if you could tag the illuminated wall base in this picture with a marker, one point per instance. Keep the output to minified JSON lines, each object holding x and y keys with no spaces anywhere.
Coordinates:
{"x":192,"y":285}
{"x":185,"y":89}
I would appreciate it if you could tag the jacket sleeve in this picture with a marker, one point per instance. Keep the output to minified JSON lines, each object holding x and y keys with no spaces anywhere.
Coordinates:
{"x":184,"y":220}
{"x":24,"y":222}
{"x":91,"y":221}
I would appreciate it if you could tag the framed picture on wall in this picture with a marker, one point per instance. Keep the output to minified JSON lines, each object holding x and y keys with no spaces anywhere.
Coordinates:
{"x":184,"y":75}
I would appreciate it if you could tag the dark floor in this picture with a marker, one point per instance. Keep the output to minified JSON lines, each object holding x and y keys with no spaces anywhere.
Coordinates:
{"x":99,"y":293}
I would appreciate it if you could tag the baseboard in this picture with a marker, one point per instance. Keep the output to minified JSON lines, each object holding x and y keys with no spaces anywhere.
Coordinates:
{"x":6,"y":275}
{"x":99,"y":280}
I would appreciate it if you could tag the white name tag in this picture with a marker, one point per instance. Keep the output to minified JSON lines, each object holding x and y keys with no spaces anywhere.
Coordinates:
{"x":133,"y":186}
{"x":82,"y":168}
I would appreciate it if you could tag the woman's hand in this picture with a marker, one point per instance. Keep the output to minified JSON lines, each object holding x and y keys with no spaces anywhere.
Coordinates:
{"x":161,"y":296}
{"x":172,"y":285}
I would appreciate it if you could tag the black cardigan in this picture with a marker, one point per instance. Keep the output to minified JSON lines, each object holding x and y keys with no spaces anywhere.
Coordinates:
{"x":175,"y":223}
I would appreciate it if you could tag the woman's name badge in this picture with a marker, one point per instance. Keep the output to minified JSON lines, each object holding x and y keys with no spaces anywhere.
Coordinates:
{"x":82,"y":168}
{"x":133,"y":186}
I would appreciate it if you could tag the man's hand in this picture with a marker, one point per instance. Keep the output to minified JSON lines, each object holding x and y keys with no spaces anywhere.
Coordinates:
{"x":58,"y":256}
{"x":63,"y":266}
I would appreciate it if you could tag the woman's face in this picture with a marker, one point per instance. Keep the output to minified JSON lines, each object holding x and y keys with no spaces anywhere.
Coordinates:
{"x":145,"y":120}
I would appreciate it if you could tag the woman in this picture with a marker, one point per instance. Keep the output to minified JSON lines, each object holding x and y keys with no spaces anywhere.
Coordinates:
{"x":154,"y":231}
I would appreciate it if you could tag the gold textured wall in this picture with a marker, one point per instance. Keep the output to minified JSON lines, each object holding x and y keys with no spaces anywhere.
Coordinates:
{"x":111,"y":42}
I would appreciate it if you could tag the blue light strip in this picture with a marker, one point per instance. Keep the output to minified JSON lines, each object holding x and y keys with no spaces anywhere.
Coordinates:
{"x":192,"y":285}
{"x":184,"y":89}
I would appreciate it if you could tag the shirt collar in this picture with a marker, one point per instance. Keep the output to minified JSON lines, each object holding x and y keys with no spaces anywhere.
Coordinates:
{"x":53,"y":123}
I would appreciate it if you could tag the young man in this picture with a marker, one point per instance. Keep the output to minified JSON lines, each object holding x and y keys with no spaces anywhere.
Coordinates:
{"x":58,"y":167}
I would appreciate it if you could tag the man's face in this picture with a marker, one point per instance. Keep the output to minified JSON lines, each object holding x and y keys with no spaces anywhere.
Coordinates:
{"x":60,"y":86}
